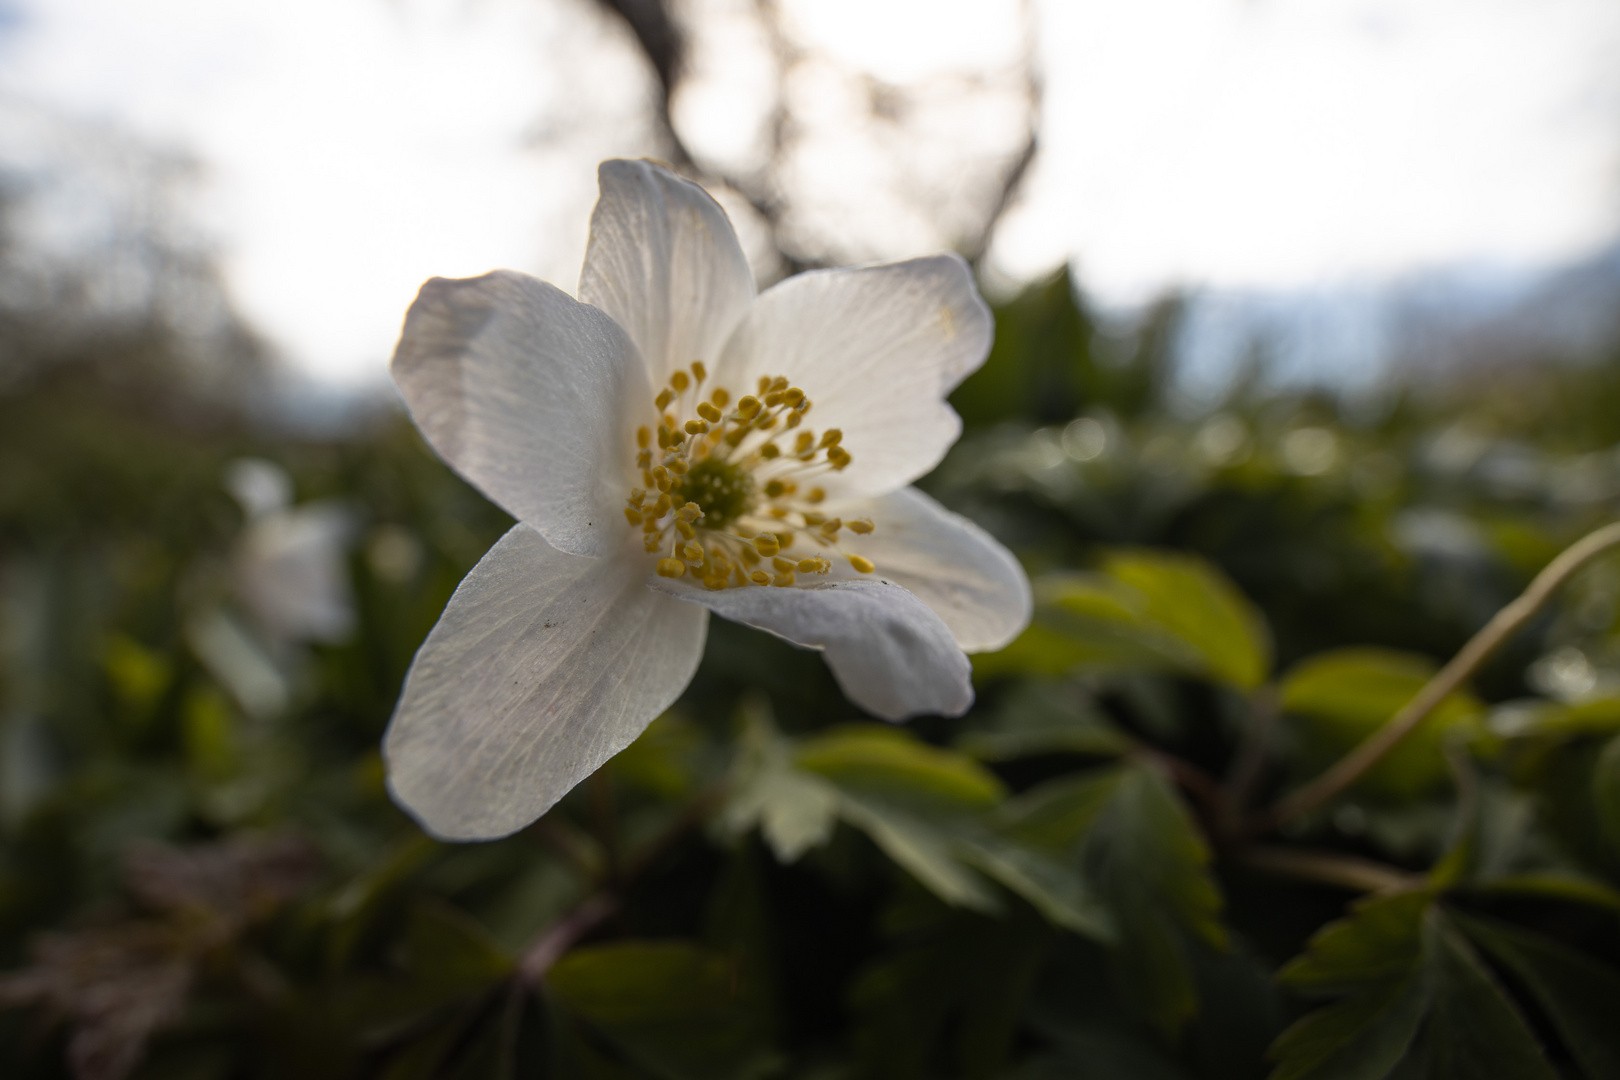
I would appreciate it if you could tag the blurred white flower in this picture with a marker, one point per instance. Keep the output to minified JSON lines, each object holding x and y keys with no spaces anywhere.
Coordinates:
{"x":289,"y":566}
{"x":654,"y":441}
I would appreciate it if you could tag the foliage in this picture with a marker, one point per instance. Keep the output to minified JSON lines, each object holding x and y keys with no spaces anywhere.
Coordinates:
{"x":201,"y":874}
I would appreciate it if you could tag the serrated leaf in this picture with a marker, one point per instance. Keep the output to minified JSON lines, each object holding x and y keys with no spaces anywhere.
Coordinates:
{"x":923,"y":848}
{"x":1338,"y":698}
{"x":1558,"y":885}
{"x":1579,"y":995}
{"x":1054,"y":888}
{"x":1200,"y":606}
{"x":1363,"y":1037}
{"x":1044,"y":718}
{"x":795,"y":811}
{"x":896,"y":764}
{"x":1379,"y":941}
{"x":1474,"y":1029}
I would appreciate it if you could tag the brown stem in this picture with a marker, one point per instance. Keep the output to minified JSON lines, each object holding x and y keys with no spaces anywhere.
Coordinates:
{"x":1354,"y":765}
{"x":1194,"y":780}
{"x":550,"y":946}
{"x":1329,"y":868}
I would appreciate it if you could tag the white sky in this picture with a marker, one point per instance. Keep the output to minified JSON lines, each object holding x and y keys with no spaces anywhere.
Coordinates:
{"x":356,"y":147}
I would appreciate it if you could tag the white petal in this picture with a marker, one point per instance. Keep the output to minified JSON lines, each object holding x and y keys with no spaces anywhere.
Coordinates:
{"x":543,"y":666}
{"x":527,"y":393}
{"x":973,"y":583}
{"x":890,"y":653}
{"x":664,"y":261}
{"x":876,"y":348}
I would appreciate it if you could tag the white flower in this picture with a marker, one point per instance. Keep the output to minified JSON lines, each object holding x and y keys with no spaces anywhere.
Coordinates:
{"x":672,"y":444}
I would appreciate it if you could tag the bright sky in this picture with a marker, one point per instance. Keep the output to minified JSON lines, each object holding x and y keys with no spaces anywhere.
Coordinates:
{"x":356,"y":147}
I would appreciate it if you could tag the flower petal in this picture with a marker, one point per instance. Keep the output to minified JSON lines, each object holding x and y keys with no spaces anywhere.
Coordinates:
{"x":876,"y":348}
{"x":664,"y":262}
{"x":890,"y":653}
{"x":543,"y":666}
{"x":526,"y":392}
{"x":973,"y":583}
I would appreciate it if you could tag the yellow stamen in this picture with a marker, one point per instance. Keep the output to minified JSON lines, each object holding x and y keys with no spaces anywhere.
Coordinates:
{"x":633,"y":516}
{"x":709,"y":412}
{"x":643,"y":436}
{"x":760,"y":577}
{"x":793,"y":396}
{"x":860,"y":525}
{"x":680,"y":382}
{"x":783,"y":564}
{"x":697,"y":427}
{"x":767,"y":544}
{"x":699,"y":372}
{"x":663,"y":399}
{"x":783,"y":579}
{"x":685,"y":529}
{"x":671,"y":568}
{"x":816,"y":495}
{"x":865,"y":566}
{"x":831,"y":437}
{"x":720,"y":396}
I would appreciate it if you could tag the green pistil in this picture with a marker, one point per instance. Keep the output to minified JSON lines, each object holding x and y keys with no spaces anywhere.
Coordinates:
{"x":722,"y":490}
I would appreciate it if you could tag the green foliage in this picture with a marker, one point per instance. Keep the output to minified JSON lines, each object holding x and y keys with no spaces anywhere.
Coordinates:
{"x":202,"y":876}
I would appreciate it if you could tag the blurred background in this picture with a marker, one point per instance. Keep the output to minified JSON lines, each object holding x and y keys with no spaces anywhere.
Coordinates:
{"x":1322,"y":297}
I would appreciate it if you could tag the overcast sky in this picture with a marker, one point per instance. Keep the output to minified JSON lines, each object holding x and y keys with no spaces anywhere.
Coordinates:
{"x":356,"y":147}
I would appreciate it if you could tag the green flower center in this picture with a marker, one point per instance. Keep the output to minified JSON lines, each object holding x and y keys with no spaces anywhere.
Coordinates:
{"x":723,"y":490}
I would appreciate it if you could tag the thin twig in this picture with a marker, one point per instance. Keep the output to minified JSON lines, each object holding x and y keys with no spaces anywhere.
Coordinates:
{"x":1354,"y":765}
{"x":1194,"y":780}
{"x":550,"y":946}
{"x":1329,"y":868}
{"x":1250,"y":759}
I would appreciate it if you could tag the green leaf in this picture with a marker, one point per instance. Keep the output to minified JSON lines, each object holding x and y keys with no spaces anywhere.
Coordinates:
{"x":1579,"y":995}
{"x":1606,"y":790}
{"x":895,"y":763}
{"x":923,"y":848}
{"x":679,"y":1010}
{"x":1558,"y":885}
{"x":1200,"y":606}
{"x":1038,"y":717}
{"x":1143,"y":854}
{"x":795,"y":811}
{"x":448,"y":946}
{"x":1474,"y":1029}
{"x":1338,"y":698}
{"x":1052,"y":886}
{"x":1416,"y":1001}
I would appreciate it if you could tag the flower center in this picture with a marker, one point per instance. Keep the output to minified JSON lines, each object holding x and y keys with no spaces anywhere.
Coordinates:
{"x":730,"y":489}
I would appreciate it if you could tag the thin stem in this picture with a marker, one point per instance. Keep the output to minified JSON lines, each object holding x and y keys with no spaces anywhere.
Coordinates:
{"x":1194,"y":780}
{"x":1329,"y":868}
{"x":1354,"y":765}
{"x":550,"y":946}
{"x":1250,"y":760}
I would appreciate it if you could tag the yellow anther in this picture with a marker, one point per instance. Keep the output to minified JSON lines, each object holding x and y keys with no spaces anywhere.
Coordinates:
{"x":697,"y":427}
{"x":865,"y":566}
{"x":764,"y":383}
{"x":736,"y":435}
{"x":663,"y":399}
{"x":632,"y":515}
{"x":676,"y":500}
{"x":779,"y":513}
{"x":760,"y":577}
{"x":860,"y":525}
{"x":793,"y":419}
{"x":779,"y":383}
{"x":691,"y":512}
{"x":749,"y":555}
{"x":677,"y":466}
{"x":793,"y":396}
{"x":709,"y":412}
{"x":813,"y":518}
{"x":769,"y":451}
{"x":644,"y":436}
{"x":685,"y":528}
{"x":661,"y":507}
{"x":813,"y":565}
{"x":663,"y":437}
{"x":805,"y":441}
{"x":783,"y":564}
{"x":650,"y":525}
{"x":783,"y":579}
{"x":652,"y":542}
{"x":831,"y":437}
{"x":677,"y":438}
{"x":838,"y":457}
{"x":785,"y":539}
{"x":815,"y":496}
{"x":765,"y":423}
{"x":774,"y":489}
{"x":692,"y":552}
{"x":774,"y":398}
{"x":767,"y":544}
{"x":644,"y":460}
{"x":721,"y":396}
{"x":831,"y":527}
{"x":671,"y":568}
{"x":637,"y":496}
{"x":660,"y":477}
{"x":699,"y":372}
{"x":748,"y":407}
{"x":680,"y":382}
